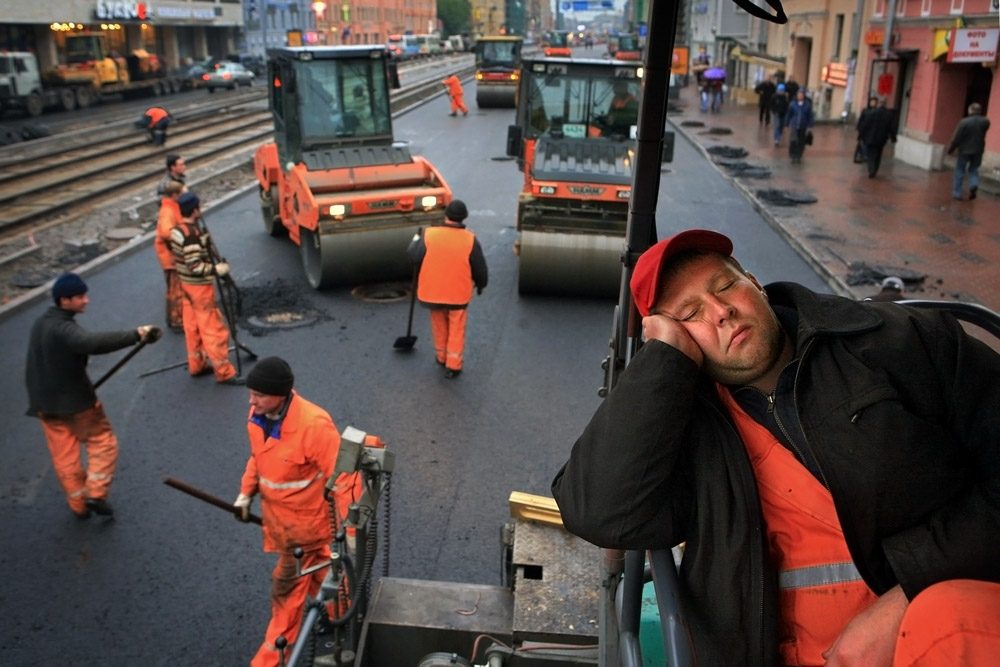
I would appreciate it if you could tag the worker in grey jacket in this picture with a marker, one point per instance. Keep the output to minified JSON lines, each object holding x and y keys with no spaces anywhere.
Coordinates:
{"x":62,"y":396}
{"x":969,"y":141}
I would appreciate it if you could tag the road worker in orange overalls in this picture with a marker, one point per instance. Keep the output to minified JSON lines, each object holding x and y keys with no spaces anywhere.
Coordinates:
{"x":204,"y":330}
{"x":293,"y":451}
{"x":62,"y":396}
{"x":830,"y":465}
{"x":456,"y":94}
{"x":449,"y":262}
{"x":168,"y":218}
{"x":156,"y":120}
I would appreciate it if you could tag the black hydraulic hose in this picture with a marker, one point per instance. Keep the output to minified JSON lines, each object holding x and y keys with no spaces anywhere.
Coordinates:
{"x":386,"y":521}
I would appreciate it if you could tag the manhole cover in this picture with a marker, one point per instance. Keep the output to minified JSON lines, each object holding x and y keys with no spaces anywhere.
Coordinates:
{"x":285,"y":319}
{"x":382,"y":292}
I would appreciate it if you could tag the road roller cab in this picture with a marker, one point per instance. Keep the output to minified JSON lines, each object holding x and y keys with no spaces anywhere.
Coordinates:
{"x":575,"y":142}
{"x":556,"y":44}
{"x":625,"y":46}
{"x":333,"y":179}
{"x":498,"y":70}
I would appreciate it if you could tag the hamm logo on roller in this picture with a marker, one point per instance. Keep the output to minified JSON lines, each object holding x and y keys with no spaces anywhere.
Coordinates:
{"x":387,"y":203}
{"x":585,"y":190}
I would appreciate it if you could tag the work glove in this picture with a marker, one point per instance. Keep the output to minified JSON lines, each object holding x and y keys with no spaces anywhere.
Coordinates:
{"x":206,"y":239}
{"x":242,"y":505}
{"x":222,"y":269}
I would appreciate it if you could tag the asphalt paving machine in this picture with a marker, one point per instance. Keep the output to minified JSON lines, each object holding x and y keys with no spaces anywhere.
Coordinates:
{"x":498,"y":70}
{"x":334,"y":180}
{"x":574,"y":139}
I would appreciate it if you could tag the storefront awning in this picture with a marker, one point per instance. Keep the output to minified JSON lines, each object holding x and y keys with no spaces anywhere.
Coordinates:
{"x":757,"y":58}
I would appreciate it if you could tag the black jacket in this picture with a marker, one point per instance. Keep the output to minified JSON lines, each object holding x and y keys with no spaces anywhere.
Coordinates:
{"x":970,"y":136}
{"x":56,"y":370}
{"x":876,"y":126}
{"x":779,"y":105}
{"x":901,"y":411}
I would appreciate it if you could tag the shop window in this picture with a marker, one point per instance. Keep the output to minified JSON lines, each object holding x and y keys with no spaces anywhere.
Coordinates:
{"x":925,"y":7}
{"x":957,"y":6}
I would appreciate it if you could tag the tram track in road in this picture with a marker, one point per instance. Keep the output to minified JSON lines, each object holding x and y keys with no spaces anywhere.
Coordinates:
{"x":79,"y":184}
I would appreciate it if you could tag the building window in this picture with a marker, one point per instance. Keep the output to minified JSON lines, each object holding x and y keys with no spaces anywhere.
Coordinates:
{"x":880,"y":7}
{"x":838,"y":35}
{"x":925,"y":7}
{"x":900,"y":8}
{"x":957,"y":6}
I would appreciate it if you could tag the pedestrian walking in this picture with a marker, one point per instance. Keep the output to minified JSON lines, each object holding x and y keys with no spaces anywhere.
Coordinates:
{"x":62,"y":396}
{"x":876,"y":126}
{"x":831,"y":461}
{"x":155,"y":120}
{"x":779,"y":109}
{"x":293,"y":450}
{"x":168,"y":218}
{"x":205,"y":333}
{"x":456,"y":95}
{"x":799,"y":120}
{"x":176,"y":171}
{"x":792,"y":88}
{"x":969,"y":141}
{"x":765,"y":91}
{"x":449,"y":263}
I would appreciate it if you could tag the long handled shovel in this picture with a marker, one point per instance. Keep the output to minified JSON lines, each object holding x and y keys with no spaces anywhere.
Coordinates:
{"x":405,"y":343}
{"x":151,"y":337}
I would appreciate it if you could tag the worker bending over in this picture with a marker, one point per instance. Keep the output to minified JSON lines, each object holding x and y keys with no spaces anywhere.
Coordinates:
{"x":833,"y":467}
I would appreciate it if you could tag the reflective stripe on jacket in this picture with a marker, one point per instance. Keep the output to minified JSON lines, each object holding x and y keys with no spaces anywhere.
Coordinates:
{"x":289,"y":468}
{"x":446,"y":273}
{"x":820,"y":589}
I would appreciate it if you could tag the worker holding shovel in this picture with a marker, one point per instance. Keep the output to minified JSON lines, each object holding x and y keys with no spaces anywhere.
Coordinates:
{"x":62,"y":396}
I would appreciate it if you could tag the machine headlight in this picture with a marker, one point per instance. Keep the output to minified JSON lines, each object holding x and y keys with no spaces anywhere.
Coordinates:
{"x":338,"y":210}
{"x":624,"y":194}
{"x":428,"y":201}
{"x":547,"y":189}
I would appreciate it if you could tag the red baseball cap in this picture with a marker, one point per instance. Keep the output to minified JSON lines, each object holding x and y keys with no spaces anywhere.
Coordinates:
{"x":645,"y":283}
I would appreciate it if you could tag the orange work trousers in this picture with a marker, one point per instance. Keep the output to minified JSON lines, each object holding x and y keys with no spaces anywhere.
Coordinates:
{"x":448,"y":331}
{"x":458,"y":104}
{"x":954,"y":622}
{"x":175,"y":299}
{"x":205,"y":333}
{"x":65,"y":435}
{"x":288,"y":602}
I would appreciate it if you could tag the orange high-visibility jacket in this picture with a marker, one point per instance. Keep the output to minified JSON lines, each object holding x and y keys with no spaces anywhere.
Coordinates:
{"x":289,"y":467}
{"x":169,"y":217}
{"x":446,"y":273}
{"x":820,"y":588}
{"x":155,"y":115}
{"x":454,"y":86}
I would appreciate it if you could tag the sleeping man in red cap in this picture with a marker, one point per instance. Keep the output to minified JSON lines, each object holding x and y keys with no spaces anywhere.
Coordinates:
{"x":832,"y":467}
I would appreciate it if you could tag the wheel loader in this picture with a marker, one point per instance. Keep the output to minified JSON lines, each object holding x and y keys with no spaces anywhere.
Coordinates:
{"x":334,"y":180}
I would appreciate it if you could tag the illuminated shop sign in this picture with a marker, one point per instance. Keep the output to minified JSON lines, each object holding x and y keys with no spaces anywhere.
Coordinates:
{"x":109,"y":10}
{"x":193,"y":13}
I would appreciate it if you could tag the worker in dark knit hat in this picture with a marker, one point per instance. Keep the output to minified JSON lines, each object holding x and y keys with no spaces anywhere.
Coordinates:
{"x":293,"y":449}
{"x":449,"y":262}
{"x":62,"y":396}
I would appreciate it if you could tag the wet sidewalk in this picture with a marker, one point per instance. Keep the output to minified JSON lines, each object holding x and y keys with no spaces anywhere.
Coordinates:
{"x":902,"y":222}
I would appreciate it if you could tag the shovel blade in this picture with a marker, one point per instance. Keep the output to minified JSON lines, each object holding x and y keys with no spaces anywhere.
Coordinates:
{"x":404,"y":343}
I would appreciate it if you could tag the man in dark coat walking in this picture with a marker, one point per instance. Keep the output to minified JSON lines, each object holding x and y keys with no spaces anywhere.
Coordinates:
{"x":765,"y":90}
{"x":876,"y":126}
{"x":970,"y":142}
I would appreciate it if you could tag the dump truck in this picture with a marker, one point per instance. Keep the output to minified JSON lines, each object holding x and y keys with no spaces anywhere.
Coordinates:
{"x":91,"y":71}
{"x":574,"y":139}
{"x":498,"y":69}
{"x":333,"y":180}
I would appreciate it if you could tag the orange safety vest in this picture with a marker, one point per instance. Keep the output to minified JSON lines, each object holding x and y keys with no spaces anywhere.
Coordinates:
{"x":155,"y":115}
{"x":820,"y":589}
{"x":446,"y":274}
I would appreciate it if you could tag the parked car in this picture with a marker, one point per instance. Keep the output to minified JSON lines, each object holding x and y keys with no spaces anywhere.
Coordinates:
{"x":227,"y":75}
{"x":193,"y":75}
